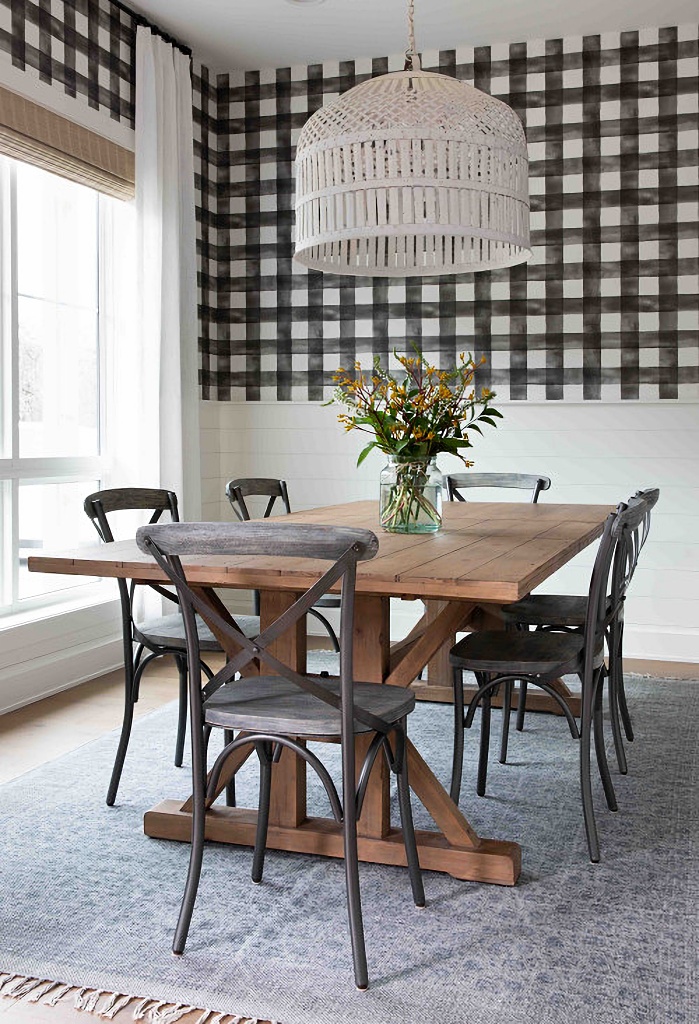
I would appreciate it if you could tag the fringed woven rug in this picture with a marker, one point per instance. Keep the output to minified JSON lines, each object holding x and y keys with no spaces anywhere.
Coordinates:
{"x":88,"y":904}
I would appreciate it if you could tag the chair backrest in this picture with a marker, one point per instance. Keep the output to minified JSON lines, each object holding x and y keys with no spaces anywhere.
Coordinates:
{"x":128,"y":499}
{"x":609,"y":572}
{"x":256,"y":487}
{"x":458,"y":482}
{"x":341,"y":546}
{"x":626,"y":556}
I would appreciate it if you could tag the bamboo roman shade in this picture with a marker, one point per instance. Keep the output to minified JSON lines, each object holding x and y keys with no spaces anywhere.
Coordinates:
{"x":38,"y":136}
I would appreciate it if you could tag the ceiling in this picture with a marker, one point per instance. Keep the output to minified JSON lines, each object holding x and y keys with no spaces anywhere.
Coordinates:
{"x":230,"y":35}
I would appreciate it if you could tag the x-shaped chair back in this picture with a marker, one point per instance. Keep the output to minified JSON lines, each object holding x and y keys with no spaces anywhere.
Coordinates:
{"x":613,"y":568}
{"x":629,"y":551}
{"x":130,"y":499}
{"x":259,"y":487}
{"x":344,"y":547}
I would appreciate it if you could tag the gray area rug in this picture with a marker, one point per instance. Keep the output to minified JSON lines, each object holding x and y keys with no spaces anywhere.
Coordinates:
{"x":86,"y":899}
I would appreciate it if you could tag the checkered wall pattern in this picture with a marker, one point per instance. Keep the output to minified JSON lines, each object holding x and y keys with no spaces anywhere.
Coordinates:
{"x":85,"y":47}
{"x":607,"y":309}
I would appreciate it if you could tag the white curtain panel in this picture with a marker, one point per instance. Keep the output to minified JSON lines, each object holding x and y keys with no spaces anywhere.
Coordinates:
{"x":168,"y":452}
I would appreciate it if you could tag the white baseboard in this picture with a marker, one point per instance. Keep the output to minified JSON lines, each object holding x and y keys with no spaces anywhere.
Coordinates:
{"x":37,"y":678}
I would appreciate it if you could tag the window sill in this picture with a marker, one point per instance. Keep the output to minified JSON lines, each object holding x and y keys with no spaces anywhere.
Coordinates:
{"x":98,"y":596}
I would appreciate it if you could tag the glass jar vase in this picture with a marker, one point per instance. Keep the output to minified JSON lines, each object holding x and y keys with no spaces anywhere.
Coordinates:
{"x":410,"y":495}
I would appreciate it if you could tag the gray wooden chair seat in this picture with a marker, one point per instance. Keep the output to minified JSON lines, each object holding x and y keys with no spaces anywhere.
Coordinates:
{"x":498,"y":659}
{"x":168,"y":631}
{"x":536,"y":654}
{"x":273,"y":704}
{"x":273,"y":712}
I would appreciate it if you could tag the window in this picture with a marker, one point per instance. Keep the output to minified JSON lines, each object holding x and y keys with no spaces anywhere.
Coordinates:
{"x":52,"y":376}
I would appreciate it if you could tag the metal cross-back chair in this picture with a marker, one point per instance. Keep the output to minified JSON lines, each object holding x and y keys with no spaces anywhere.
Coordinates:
{"x":529,"y":482}
{"x":460,"y":482}
{"x":542,"y":657}
{"x":566,"y":613}
{"x":284,"y":709}
{"x":158,"y":635}
{"x":275,"y":490}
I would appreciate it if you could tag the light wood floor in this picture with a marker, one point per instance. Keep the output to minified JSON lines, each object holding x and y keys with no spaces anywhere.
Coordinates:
{"x":44,"y":731}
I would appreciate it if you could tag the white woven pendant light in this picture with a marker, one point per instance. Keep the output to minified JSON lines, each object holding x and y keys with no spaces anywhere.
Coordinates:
{"x":412,"y":174}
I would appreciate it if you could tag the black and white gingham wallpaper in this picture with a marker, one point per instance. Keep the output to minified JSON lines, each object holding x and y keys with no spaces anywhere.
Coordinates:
{"x":606,"y":309}
{"x":85,"y":47}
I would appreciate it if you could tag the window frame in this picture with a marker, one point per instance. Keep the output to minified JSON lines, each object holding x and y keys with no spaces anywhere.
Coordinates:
{"x":16,"y":470}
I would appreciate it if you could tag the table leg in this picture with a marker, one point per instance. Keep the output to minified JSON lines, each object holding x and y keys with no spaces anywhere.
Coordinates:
{"x":371,"y":654}
{"x":288,"y":797}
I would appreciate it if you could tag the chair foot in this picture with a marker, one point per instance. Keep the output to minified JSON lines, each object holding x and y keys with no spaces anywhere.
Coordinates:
{"x":121,"y":752}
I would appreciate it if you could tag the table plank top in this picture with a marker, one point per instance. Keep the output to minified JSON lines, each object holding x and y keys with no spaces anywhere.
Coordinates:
{"x":486,"y":551}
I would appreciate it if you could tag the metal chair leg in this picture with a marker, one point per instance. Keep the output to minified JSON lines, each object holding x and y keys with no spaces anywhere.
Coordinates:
{"x":182,"y":717}
{"x":228,"y":737}
{"x":197,"y":841}
{"x":484,"y":744}
{"x":624,"y":708}
{"x":600,"y":750}
{"x":522,"y":689}
{"x":349,"y":837}
{"x":406,"y":818}
{"x":521,"y":704}
{"x":329,"y":629}
{"x":614,"y":669}
{"x":264,"y":754}
{"x":506,"y":709}
{"x":136,"y":662}
{"x":126,"y":724}
{"x":585,"y":785}
{"x":619,"y":683}
{"x":458,"y":754}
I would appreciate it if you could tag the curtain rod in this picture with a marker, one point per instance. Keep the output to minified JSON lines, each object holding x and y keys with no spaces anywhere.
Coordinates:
{"x":140,"y":19}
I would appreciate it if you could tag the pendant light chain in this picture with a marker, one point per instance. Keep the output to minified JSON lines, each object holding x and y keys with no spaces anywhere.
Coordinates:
{"x":410,"y":52}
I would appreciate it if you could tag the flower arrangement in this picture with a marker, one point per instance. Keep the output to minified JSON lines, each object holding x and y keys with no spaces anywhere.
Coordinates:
{"x":412,"y":417}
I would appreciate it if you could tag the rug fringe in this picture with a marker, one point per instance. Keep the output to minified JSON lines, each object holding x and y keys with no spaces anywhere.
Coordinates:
{"x":87,"y":1000}
{"x":170,"y":1014}
{"x":40,"y":991}
{"x":17,"y":986}
{"x":139,"y":1012}
{"x":112,"y":1005}
{"x":58,"y":994}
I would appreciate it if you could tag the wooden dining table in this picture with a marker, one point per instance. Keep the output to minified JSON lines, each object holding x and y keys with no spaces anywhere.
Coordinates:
{"x":486,"y":555}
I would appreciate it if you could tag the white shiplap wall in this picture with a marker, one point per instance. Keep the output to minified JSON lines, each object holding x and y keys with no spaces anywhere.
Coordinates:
{"x":593,"y":454}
